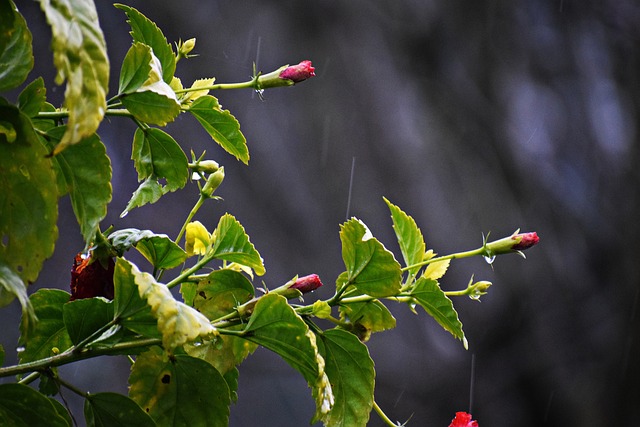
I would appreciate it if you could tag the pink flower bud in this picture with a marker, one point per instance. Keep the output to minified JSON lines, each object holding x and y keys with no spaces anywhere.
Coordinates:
{"x":298,"y":73}
{"x":514,"y":243}
{"x":307,"y":284}
{"x":527,"y":240}
{"x":463,"y":419}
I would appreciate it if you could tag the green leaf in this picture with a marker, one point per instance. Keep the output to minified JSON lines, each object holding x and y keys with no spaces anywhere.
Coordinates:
{"x":28,"y":200}
{"x":11,"y":285}
{"x":409,"y":237}
{"x":370,"y":266}
{"x":155,"y":152}
{"x":156,"y":104}
{"x":20,"y":405}
{"x":221,"y":291}
{"x":232,"y":244}
{"x":80,"y":56}
{"x":429,"y":296}
{"x":179,"y":391}
{"x":85,"y":171}
{"x":367,"y":318}
{"x":83,"y":317}
{"x":50,"y":331}
{"x":221,"y":126}
{"x":136,"y":67}
{"x":132,"y":311}
{"x":145,"y":31}
{"x":224,"y":353}
{"x":158,"y":249}
{"x":61,"y":410}
{"x":33,"y":97}
{"x":352,"y":375}
{"x":114,"y":410}
{"x":16,"y":54}
{"x":177,"y":322}
{"x":149,"y":191}
{"x":275,"y":325}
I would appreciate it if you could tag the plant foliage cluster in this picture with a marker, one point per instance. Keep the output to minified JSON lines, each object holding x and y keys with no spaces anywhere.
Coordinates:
{"x":184,"y":353}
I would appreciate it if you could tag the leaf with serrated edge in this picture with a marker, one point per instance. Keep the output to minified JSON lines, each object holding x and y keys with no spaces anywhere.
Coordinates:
{"x":372,"y":315}
{"x":83,"y":317}
{"x":179,"y":391}
{"x":136,"y":67}
{"x":50,"y":330}
{"x":149,"y":191}
{"x":146,"y":31}
{"x":32,"y":98}
{"x":276,"y":326}
{"x":436,"y":269}
{"x":352,"y":375}
{"x":370,"y":266}
{"x":85,"y":169}
{"x":409,"y":236}
{"x":177,"y":322}
{"x":221,"y":126}
{"x":221,"y":291}
{"x":232,"y":244}
{"x":11,"y":285}
{"x":429,"y":296}
{"x":80,"y":56}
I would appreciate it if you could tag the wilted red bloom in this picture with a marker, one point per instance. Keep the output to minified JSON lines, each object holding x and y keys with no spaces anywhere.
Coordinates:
{"x":528,"y":240}
{"x":298,"y":73}
{"x":307,"y":283}
{"x":463,"y":419}
{"x":90,"y":279}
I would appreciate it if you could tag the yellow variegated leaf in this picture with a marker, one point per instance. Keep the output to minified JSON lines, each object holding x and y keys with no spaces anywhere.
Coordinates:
{"x":177,"y":322}
{"x":189,"y":97}
{"x":436,"y":270}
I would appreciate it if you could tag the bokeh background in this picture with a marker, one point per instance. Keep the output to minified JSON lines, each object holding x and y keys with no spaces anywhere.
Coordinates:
{"x":473,"y":117}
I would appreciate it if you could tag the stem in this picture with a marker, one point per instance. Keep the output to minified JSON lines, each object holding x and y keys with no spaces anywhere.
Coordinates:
{"x":70,"y":356}
{"x":193,"y":212}
{"x":186,"y":273}
{"x":250,"y":84}
{"x":457,"y":255}
{"x":382,"y":415}
{"x":72,"y":387}
{"x":30,"y":378}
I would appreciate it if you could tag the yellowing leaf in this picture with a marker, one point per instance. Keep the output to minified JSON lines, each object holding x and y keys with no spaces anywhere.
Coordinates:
{"x":177,"y":322}
{"x":189,"y":97}
{"x":80,"y":56}
{"x":197,"y":239}
{"x":437,"y":269}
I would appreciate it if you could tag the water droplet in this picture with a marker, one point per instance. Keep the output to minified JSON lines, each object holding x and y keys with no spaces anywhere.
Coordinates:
{"x":475,"y":296}
{"x":20,"y":349}
{"x":260,"y":92}
{"x":197,"y":344}
{"x":489,"y":259}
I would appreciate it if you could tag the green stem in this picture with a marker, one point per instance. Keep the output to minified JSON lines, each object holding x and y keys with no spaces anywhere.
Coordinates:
{"x":70,"y":356}
{"x":30,"y":378}
{"x":72,"y":387}
{"x":458,"y":255}
{"x":250,"y":84}
{"x":193,"y":212}
{"x":188,"y":272}
{"x":382,"y":415}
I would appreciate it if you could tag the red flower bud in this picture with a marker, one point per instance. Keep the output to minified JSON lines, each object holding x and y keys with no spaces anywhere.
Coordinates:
{"x":89,"y":278}
{"x":527,"y":240}
{"x":307,"y":283}
{"x":298,"y":73}
{"x":463,"y":419}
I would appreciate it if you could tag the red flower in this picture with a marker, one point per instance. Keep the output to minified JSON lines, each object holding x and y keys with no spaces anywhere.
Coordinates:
{"x":298,"y":73}
{"x":89,"y":278}
{"x":307,"y":283}
{"x":528,"y":240}
{"x":463,"y":419}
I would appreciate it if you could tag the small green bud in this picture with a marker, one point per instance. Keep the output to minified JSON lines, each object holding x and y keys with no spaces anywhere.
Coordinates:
{"x":207,"y":166}
{"x":185,"y":48}
{"x":213,"y":182}
{"x":478,"y":289}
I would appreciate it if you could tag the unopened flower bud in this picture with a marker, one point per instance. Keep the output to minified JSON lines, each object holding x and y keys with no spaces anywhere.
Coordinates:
{"x":185,"y":48}
{"x":478,"y":289}
{"x":206,"y":166}
{"x":287,"y":75}
{"x":213,"y":182}
{"x":514,"y":243}
{"x":307,"y":284}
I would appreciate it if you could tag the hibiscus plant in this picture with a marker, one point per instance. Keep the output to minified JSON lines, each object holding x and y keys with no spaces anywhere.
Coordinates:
{"x":191,"y":344}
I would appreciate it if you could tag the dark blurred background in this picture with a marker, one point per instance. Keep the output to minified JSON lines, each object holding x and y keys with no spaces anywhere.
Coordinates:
{"x":472,"y":117}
